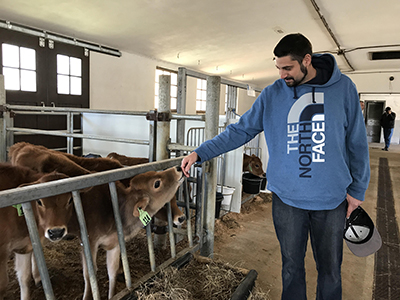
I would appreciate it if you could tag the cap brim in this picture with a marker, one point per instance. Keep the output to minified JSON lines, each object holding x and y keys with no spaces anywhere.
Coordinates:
{"x":368,"y":248}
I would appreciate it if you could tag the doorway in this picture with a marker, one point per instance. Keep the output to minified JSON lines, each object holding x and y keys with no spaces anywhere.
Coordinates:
{"x":374,"y":110}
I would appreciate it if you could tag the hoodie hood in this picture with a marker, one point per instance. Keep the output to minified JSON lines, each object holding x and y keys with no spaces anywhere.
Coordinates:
{"x":327,"y":72}
{"x":326,"y":65}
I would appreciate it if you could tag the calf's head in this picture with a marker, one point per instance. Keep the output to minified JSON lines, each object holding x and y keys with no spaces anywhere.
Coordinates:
{"x":53,"y":212}
{"x":253,"y":164}
{"x":150,"y":191}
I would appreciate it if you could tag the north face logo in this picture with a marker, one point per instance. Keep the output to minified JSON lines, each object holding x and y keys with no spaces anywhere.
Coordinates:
{"x":306,"y":132}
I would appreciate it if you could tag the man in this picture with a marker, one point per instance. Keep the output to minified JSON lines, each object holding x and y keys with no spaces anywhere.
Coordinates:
{"x":362,"y":104}
{"x":387,"y":123}
{"x":319,"y":158}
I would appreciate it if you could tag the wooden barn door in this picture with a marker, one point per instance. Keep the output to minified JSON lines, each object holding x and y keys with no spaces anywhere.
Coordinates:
{"x":42,"y":73}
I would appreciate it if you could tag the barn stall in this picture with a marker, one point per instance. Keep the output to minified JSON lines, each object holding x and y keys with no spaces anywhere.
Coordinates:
{"x":159,"y":126}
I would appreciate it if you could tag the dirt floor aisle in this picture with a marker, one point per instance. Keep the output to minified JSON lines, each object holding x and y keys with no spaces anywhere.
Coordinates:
{"x":250,"y":240}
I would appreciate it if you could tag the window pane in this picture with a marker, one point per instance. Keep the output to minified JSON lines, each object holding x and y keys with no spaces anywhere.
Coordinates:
{"x":156,"y":102}
{"x":174,"y":90}
{"x":173,"y":103}
{"x":203,"y":84}
{"x":157,"y":89}
{"x":203,"y":105}
{"x":28,"y":59}
{"x":10,"y":56}
{"x":199,"y":84}
{"x":158,"y":73}
{"x":76,"y":86}
{"x":198,"y":105}
{"x":62,"y":64}
{"x":28,"y":81}
{"x":198,"y":94}
{"x":174,"y":78}
{"x":11,"y":78}
{"x":203,"y":95}
{"x":62,"y":84}
{"x":76,"y":66}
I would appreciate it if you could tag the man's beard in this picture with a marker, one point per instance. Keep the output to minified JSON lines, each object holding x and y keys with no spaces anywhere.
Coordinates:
{"x":294,"y":83}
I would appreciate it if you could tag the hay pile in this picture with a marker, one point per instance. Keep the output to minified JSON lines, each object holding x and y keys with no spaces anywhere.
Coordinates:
{"x":211,"y":280}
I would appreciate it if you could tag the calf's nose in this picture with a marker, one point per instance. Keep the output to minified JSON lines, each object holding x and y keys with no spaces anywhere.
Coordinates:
{"x":182,"y":219}
{"x":179,"y":169}
{"x":56,"y":233}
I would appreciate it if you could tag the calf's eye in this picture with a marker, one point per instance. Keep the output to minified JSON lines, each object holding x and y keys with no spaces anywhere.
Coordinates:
{"x":40,"y":203}
{"x":157,"y":184}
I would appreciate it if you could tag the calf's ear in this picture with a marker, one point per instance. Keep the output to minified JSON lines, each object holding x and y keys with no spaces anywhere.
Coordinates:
{"x":142,"y":203}
{"x":30,"y":183}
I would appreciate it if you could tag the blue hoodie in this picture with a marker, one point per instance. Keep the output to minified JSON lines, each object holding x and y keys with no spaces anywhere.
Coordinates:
{"x":316,"y":138}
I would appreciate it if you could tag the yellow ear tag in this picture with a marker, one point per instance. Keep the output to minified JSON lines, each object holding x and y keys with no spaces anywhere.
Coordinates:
{"x":144,"y":217}
{"x":19,"y":209}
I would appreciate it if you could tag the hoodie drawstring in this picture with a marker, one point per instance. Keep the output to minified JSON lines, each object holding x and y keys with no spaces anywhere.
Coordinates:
{"x":313,"y":95}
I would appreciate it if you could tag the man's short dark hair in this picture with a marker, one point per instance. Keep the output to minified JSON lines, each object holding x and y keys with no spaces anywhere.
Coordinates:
{"x":296,"y":45}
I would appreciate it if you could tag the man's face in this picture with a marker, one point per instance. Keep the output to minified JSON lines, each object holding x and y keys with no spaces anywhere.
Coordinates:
{"x":290,"y":70}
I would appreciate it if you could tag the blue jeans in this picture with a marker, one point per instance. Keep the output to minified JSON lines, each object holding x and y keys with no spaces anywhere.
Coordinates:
{"x":387,"y":134}
{"x":325,"y":227}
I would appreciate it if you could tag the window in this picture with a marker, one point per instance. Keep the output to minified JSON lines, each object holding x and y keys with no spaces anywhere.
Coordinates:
{"x":69,"y":75}
{"x":201,"y":95}
{"x":19,"y":68}
{"x":174,"y":87}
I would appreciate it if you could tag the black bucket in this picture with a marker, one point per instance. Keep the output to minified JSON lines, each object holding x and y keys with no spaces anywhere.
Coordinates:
{"x":263,"y":183}
{"x":251,"y":183}
{"x":218,"y":201}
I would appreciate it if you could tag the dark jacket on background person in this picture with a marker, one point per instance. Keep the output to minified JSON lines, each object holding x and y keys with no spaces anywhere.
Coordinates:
{"x":387,"y":120}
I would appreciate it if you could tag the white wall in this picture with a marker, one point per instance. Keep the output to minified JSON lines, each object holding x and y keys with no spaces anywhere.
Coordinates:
{"x":128,"y":83}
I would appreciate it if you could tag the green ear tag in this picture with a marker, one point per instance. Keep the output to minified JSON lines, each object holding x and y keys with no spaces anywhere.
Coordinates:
{"x":19,"y":209}
{"x":144,"y":217}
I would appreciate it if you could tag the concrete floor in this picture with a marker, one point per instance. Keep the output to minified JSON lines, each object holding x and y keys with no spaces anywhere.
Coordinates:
{"x":255,"y":245}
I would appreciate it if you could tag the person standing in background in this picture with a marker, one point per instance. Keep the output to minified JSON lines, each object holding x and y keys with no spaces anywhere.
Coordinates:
{"x":387,"y":123}
{"x":362,"y":104}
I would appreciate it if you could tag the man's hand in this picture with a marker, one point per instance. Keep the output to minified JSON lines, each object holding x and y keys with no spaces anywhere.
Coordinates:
{"x":353,"y":203}
{"x":188,"y":161}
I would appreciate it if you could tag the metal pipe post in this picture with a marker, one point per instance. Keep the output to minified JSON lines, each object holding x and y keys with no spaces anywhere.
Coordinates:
{"x":181,"y":107}
{"x":210,"y":167}
{"x":70,"y":129}
{"x":163,"y":139}
{"x":86,"y":245}
{"x":163,"y":126}
{"x":120,"y":233}
{"x":3,"y":132}
{"x":38,"y":250}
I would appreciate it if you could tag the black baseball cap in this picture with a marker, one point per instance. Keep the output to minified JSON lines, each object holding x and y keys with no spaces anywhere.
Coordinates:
{"x":360,"y":234}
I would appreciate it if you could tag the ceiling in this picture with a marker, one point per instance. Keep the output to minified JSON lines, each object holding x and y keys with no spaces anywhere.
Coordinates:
{"x":230,"y":38}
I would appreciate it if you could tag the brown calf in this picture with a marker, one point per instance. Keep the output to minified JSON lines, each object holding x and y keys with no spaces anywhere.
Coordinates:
{"x":52,"y":215}
{"x":253,"y":165}
{"x":149,"y":191}
{"x":43,"y":160}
